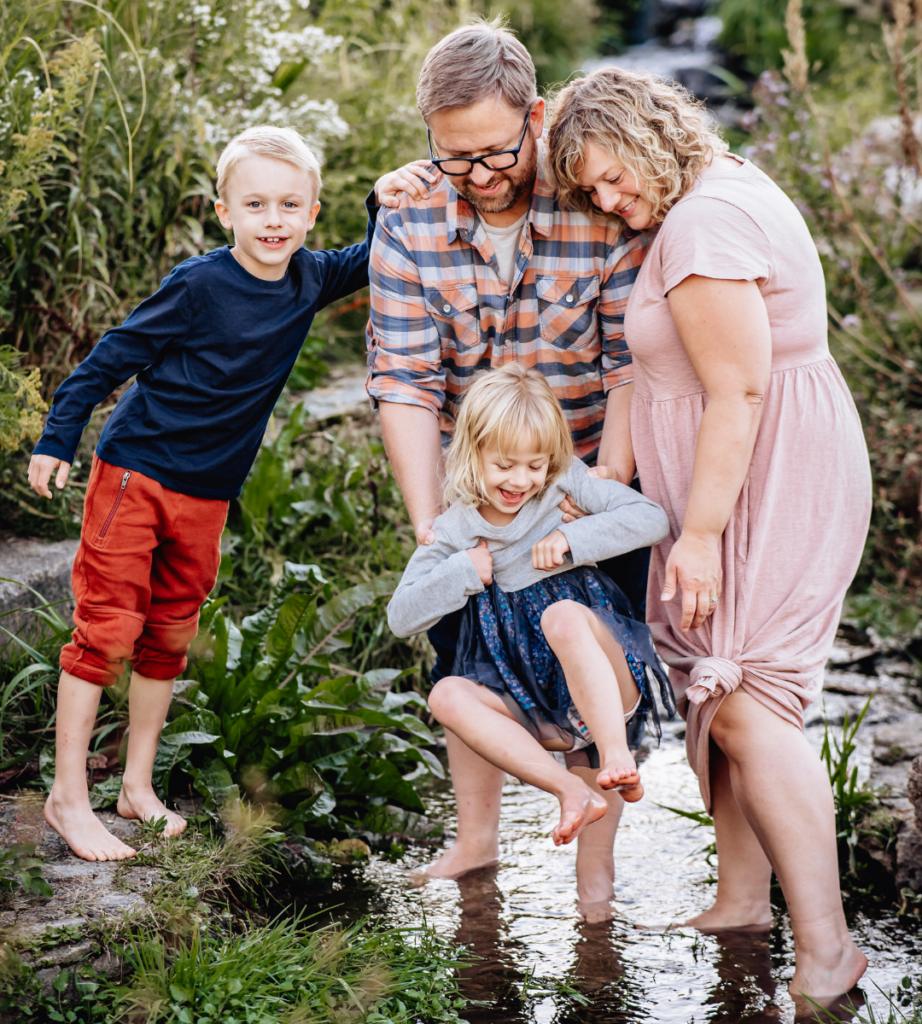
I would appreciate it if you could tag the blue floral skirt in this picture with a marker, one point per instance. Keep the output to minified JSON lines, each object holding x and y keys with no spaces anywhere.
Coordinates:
{"x":501,"y":646}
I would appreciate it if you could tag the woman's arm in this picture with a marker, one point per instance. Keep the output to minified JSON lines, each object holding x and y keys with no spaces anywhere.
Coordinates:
{"x":725,"y":330}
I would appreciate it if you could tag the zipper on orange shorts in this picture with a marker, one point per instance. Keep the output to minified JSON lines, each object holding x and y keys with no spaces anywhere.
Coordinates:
{"x":118,"y":501}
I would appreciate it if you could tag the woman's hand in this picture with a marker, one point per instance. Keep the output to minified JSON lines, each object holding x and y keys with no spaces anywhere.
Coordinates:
{"x":411,"y":178}
{"x":483,"y":562}
{"x":572,"y":511}
{"x":40,"y":470}
{"x":549,"y":553}
{"x":694,"y":565}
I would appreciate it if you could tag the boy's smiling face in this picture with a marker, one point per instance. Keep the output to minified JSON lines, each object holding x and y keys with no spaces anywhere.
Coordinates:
{"x":270,"y":206}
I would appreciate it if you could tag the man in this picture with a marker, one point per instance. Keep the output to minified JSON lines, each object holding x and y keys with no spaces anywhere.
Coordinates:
{"x":482,"y":269}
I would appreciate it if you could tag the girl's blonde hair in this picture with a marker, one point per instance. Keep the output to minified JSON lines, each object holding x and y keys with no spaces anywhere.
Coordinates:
{"x":657,"y":129}
{"x":505,"y":408}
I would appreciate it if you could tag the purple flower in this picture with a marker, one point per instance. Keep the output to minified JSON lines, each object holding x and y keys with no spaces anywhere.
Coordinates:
{"x":851,"y":321}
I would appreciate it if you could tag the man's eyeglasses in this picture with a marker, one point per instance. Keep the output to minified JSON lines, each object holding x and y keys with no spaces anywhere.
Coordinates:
{"x":457,"y":167}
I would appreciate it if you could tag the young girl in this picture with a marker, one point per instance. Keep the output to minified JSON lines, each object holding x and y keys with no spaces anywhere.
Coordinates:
{"x":549,"y":657}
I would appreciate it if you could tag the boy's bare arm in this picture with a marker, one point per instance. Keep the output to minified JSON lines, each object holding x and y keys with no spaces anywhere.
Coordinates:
{"x":41,"y":469}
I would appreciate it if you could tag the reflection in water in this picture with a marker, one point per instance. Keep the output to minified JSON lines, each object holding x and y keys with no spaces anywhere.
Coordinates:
{"x":493,"y":979}
{"x":540,"y":965}
{"x":746,"y":988}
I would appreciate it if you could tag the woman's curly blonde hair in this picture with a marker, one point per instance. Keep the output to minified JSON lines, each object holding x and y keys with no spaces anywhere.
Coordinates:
{"x":506,"y":408}
{"x":657,"y":129}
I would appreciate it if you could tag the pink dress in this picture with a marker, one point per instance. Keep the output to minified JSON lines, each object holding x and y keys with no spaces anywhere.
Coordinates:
{"x":795,"y":537}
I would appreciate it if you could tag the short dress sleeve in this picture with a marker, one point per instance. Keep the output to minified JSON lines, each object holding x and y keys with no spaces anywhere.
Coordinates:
{"x":712,"y":238}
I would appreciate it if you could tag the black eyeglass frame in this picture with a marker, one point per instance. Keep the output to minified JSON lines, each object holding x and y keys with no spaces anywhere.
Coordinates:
{"x":471,"y":160}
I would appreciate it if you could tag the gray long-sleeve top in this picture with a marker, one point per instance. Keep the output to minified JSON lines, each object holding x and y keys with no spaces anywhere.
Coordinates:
{"x":441,"y":576}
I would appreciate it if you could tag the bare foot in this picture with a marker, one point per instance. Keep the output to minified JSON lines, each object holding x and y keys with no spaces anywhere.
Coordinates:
{"x":596,"y":911}
{"x":826,"y":979}
{"x":83,"y":832}
{"x":143,"y":804}
{"x":621,"y":775}
{"x":732,"y":917}
{"x":578,"y":808}
{"x":459,"y":859}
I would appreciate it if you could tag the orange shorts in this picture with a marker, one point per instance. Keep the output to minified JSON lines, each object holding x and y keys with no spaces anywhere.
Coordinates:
{"x":148,"y":558}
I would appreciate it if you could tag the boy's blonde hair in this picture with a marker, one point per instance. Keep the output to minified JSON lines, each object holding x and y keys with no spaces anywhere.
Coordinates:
{"x":505,"y":408}
{"x":268,"y":140}
{"x":659,"y":131}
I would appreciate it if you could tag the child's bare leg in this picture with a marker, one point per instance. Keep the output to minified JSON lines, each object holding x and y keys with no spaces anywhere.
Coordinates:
{"x":601,"y":685}
{"x":148,"y":703}
{"x":67,"y":809}
{"x":478,"y":787}
{"x":595,"y":855}
{"x":485,"y":724}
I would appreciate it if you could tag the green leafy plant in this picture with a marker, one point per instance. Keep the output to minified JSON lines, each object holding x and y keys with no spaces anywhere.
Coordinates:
{"x":851,"y":798}
{"x":21,"y":870}
{"x":267,"y":709}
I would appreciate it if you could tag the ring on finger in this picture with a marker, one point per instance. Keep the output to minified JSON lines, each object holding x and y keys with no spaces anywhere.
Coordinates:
{"x":713,"y":600}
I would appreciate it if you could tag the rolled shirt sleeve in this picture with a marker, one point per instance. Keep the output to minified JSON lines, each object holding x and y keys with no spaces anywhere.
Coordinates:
{"x":618,"y":278}
{"x":404,"y":348}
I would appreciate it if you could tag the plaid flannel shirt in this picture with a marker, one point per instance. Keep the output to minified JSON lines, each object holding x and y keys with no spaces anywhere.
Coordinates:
{"x":440,"y":312}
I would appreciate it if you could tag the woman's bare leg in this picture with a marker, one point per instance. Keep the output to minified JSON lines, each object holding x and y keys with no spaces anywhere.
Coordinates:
{"x":601,"y":685}
{"x":148,"y":704}
{"x":743,"y":872}
{"x":782,"y":789}
{"x":478,"y":787}
{"x":485,"y":724}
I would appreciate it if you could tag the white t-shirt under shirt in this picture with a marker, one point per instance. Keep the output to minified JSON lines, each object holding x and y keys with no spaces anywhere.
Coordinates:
{"x":505,"y":243}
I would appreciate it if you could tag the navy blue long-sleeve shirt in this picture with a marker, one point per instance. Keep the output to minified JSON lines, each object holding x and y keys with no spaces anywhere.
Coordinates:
{"x":212,"y":349}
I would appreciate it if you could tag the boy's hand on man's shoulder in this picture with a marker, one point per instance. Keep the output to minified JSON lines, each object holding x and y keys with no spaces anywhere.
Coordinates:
{"x":41,"y":469}
{"x":411,"y":178}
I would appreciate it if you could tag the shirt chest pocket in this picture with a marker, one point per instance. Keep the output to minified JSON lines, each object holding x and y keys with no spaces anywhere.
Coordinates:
{"x":455,"y":311}
{"x":567,"y":310}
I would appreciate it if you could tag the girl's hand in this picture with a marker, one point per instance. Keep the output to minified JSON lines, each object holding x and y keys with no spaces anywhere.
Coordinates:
{"x":548,"y":553}
{"x":411,"y":178}
{"x":483,"y":562}
{"x":694,"y":565}
{"x":40,"y":469}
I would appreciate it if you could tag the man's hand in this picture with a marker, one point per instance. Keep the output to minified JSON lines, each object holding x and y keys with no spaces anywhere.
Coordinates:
{"x":572,"y":511}
{"x":40,"y":469}
{"x":548,"y":553}
{"x":483,"y":562}
{"x":425,"y":535}
{"x":411,"y":178}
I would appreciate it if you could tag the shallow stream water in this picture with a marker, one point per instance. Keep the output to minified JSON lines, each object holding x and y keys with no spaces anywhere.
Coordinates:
{"x":540,"y":964}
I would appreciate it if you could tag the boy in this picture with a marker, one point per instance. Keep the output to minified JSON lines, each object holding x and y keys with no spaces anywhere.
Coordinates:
{"x":212,"y":350}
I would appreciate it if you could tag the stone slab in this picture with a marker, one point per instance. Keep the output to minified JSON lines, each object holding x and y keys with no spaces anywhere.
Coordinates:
{"x":45,"y":567}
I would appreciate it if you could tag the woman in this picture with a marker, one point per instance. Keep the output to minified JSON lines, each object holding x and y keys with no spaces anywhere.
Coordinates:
{"x":745,"y":432}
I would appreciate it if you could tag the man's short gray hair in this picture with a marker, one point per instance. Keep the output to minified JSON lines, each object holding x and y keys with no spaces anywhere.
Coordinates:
{"x":473,"y":63}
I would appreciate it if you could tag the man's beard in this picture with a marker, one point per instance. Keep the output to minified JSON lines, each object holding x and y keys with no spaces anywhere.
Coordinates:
{"x":522,"y":184}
